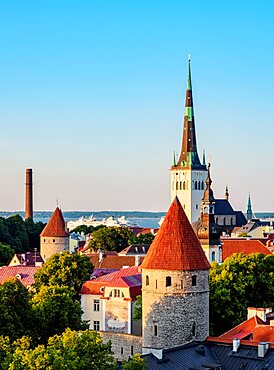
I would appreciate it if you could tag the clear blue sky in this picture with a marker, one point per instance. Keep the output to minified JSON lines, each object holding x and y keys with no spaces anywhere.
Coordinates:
{"x":92,"y":98}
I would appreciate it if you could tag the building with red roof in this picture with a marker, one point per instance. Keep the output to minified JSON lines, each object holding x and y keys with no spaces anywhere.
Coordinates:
{"x":25,"y":274}
{"x":246,"y":246}
{"x":54,"y":237}
{"x":108,"y":301}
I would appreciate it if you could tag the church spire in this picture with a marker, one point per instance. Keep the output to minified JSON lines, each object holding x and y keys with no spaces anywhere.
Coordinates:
{"x":249,"y":212}
{"x":226,"y":193}
{"x":189,"y":156}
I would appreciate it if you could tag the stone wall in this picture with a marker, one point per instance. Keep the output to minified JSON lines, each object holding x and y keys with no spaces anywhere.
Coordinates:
{"x":176,"y":314}
{"x":123,"y":345}
{"x":53,"y":245}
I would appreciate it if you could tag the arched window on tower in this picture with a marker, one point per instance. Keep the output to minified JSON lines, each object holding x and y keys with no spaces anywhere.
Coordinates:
{"x":199,"y":185}
{"x":194,"y":280}
{"x":231,"y":223}
{"x":203,"y":185}
{"x":213,"y":256}
{"x":224,"y":221}
{"x":184,"y":185}
{"x":155,"y":330}
{"x":147,"y":280}
{"x":180,"y":185}
{"x":177,"y":185}
{"x":195,"y":185}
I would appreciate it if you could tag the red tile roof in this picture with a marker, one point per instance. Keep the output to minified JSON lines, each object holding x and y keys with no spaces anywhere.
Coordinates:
{"x":26,"y":274}
{"x":243,"y":246}
{"x":176,"y":246}
{"x":56,"y":225}
{"x":112,"y":261}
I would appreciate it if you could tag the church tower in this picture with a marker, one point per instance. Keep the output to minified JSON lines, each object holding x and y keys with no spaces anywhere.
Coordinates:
{"x":54,"y":237}
{"x":249,"y":213}
{"x":188,"y":174}
{"x":206,"y":229}
{"x":175,"y":291}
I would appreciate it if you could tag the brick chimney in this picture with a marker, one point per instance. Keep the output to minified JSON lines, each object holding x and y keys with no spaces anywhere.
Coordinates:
{"x":29,"y":195}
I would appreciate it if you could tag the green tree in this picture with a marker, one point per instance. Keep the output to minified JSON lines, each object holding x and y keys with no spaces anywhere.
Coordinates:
{"x":74,"y":350}
{"x":111,"y":239}
{"x":241,"y":281}
{"x":145,"y":238}
{"x":18,"y":233}
{"x":6,"y":254}
{"x":55,"y":309}
{"x":135,"y":363}
{"x":34,"y":230}
{"x":15,"y":310}
{"x":137,"y":315}
{"x":66,"y":269}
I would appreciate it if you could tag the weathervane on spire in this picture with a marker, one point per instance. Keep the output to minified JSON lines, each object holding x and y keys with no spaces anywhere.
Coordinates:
{"x":189,"y":58}
{"x":57,"y":202}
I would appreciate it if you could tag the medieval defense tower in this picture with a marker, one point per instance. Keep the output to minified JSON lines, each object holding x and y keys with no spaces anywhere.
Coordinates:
{"x":54,"y":238}
{"x":29,"y":195}
{"x":175,"y":287}
{"x":188,"y":175}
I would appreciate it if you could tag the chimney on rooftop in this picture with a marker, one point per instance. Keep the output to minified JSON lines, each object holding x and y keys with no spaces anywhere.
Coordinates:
{"x":262,"y":348}
{"x":29,"y":195}
{"x":236,"y":344}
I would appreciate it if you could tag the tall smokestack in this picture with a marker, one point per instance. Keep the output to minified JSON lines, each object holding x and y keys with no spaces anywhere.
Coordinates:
{"x":29,"y":195}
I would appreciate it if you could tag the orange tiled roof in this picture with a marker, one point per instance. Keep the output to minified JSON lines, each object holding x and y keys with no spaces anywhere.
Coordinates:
{"x":112,"y":261}
{"x":176,"y":246}
{"x":26,"y":274}
{"x":56,"y":225}
{"x":243,"y":246}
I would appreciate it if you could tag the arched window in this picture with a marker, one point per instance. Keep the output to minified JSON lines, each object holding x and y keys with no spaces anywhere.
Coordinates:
{"x":180,"y":185}
{"x":184,"y":185}
{"x":168,"y":281}
{"x":213,"y":256}
{"x":195,"y":185}
{"x":155,"y":330}
{"x":194,"y":280}
{"x":147,"y":280}
{"x":203,"y":185}
{"x":224,"y":221}
{"x":194,"y":329}
{"x":199,"y":185}
{"x":217,"y":220}
{"x":210,"y":209}
{"x":116,"y":293}
{"x":177,"y":185}
{"x":231,"y":221}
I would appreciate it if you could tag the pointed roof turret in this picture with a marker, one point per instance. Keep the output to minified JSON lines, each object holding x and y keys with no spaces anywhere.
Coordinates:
{"x":56,"y":225}
{"x":189,"y":156}
{"x":208,"y":194}
{"x":249,"y":213}
{"x":226,"y":193}
{"x":176,"y":246}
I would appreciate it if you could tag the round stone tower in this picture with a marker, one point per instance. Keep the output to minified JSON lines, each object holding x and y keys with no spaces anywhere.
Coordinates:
{"x":54,"y":238}
{"x":175,"y":291}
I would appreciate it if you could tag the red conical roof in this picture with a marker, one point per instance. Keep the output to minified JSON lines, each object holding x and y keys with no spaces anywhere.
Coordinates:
{"x":56,"y":225}
{"x":176,"y":246}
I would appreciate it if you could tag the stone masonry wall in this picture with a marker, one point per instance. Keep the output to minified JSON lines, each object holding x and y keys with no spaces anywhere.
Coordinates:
{"x":123,"y":345}
{"x":179,"y":312}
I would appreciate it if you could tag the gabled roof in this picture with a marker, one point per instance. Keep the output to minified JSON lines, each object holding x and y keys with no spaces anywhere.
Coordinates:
{"x":223,"y":207}
{"x":56,"y":225}
{"x":135,"y":250}
{"x":24,"y":273}
{"x":176,"y":246}
{"x":27,"y":259}
{"x":112,"y":260}
{"x":242,"y":246}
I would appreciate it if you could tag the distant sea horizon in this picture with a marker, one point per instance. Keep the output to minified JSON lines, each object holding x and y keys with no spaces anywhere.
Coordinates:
{"x":140,"y":218}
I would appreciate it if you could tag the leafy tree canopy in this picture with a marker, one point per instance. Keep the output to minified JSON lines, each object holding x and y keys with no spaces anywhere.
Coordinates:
{"x":55,"y":309}
{"x":137,"y":315}
{"x":66,"y":269}
{"x":241,"y":281}
{"x":6,"y":254}
{"x":135,"y":363}
{"x":74,"y":350}
{"x":87,"y":229}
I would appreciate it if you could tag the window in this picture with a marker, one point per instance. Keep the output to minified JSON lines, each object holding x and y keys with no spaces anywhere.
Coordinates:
{"x":53,"y":240}
{"x":116,"y":293}
{"x":217,"y":220}
{"x":196,"y":206}
{"x":131,"y":350}
{"x":194,"y":280}
{"x":184,"y":185}
{"x":180,"y":185}
{"x":122,"y":350}
{"x":156,"y":284}
{"x":199,"y":185}
{"x":44,"y":240}
{"x":96,"y":305}
{"x":194,"y":329}
{"x":224,"y":221}
{"x":147,"y":280}
{"x":231,"y":222}
{"x":213,"y":256}
{"x":168,"y":281}
{"x":202,"y":185}
{"x":177,"y":185}
{"x":96,"y":325}
{"x":195,"y":185}
{"x":155,"y":330}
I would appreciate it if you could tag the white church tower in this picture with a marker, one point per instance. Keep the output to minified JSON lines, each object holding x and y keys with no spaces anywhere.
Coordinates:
{"x":188,"y":175}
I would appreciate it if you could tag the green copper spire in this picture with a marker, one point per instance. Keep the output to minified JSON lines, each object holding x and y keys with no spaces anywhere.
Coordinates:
{"x":188,"y":85}
{"x":249,"y":212}
{"x":204,"y":160}
{"x":174,"y":159}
